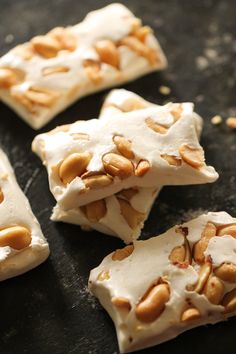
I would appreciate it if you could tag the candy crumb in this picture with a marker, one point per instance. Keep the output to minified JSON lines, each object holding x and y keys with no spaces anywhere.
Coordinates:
{"x":231,"y":122}
{"x":216,"y":120}
{"x":164,"y":90}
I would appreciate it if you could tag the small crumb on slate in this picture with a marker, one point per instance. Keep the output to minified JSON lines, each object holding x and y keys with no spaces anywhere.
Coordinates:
{"x":9,"y":38}
{"x":216,"y":120}
{"x":231,"y":122}
{"x":202,"y":63}
{"x":164,"y":90}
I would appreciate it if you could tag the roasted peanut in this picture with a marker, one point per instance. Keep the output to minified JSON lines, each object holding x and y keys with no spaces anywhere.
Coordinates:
{"x":181,"y":254}
{"x":122,"y":253}
{"x":153,"y":303}
{"x":95,"y":211}
{"x":1,"y":195}
{"x":132,"y":104}
{"x":226,"y":272}
{"x":227,"y":230}
{"x":25,"y":51}
{"x":16,"y":237}
{"x":229,"y":301}
{"x":41,"y":96}
{"x":158,"y":128}
{"x":192,"y":156}
{"x":117,"y":165}
{"x":172,"y":160}
{"x":46,"y":46}
{"x":108,"y":52}
{"x":121,"y":303}
{"x":200,"y":247}
{"x":214,"y":290}
{"x":142,"y":32}
{"x":140,"y":48}
{"x":190,"y":314}
{"x":142,"y":168}
{"x":72,"y":166}
{"x":10,"y":77}
{"x":132,"y":216}
{"x":28,"y":104}
{"x":104,"y":275}
{"x":204,"y":273}
{"x":123,"y":146}
{"x":176,"y":111}
{"x":66,"y":39}
{"x":97,"y":181}
{"x":54,"y":70}
{"x":93,"y":71}
{"x":128,"y":193}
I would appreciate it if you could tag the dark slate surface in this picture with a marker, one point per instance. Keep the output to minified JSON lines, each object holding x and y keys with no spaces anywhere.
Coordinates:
{"x":49,"y":309}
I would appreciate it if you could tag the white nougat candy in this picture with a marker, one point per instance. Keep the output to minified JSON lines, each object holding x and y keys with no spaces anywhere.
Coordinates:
{"x":42,"y":77}
{"x":22,"y":244}
{"x":91,"y":160}
{"x":156,"y":289}
{"x":113,"y":216}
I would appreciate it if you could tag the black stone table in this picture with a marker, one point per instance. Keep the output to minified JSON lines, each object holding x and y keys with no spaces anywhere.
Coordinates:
{"x":49,"y":309}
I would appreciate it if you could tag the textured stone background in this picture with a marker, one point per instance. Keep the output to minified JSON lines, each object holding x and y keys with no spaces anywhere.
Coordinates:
{"x":49,"y":309}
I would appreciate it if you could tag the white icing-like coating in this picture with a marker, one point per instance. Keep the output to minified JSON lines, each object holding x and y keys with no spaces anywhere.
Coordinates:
{"x":54,"y":147}
{"x":150,"y":260}
{"x":113,"y":22}
{"x":15,"y":211}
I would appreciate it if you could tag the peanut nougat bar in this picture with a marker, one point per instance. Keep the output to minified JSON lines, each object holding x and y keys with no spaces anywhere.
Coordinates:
{"x":91,"y":160}
{"x":156,"y":289}
{"x":42,"y":77}
{"x":22,"y":244}
{"x":123,"y":214}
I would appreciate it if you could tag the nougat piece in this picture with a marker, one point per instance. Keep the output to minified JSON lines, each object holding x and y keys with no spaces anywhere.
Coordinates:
{"x":156,"y":289}
{"x":22,"y":244}
{"x":42,"y":77}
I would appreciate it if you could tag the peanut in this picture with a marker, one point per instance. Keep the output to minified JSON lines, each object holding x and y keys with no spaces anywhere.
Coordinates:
{"x":128,"y":193}
{"x":172,"y":160}
{"x":229,"y":301}
{"x":123,"y":146}
{"x":176,"y":111}
{"x":181,"y":254}
{"x":226,"y":272}
{"x":200,"y":247}
{"x":132,"y":216}
{"x":93,"y":71}
{"x":95,"y":211}
{"x":142,"y":168}
{"x":41,"y":96}
{"x":25,"y":51}
{"x":108,"y":52}
{"x":142,"y":32}
{"x":96,"y":181}
{"x":132,"y":104}
{"x":80,"y":136}
{"x":153,"y":303}
{"x":66,"y":39}
{"x":16,"y":237}
{"x":104,"y":275}
{"x":231,"y":122}
{"x":10,"y":77}
{"x":72,"y":166}
{"x":192,"y":156}
{"x":55,"y":70}
{"x":204,"y":273}
{"x":1,"y":195}
{"x":140,"y":48}
{"x":117,"y":165}
{"x":158,"y":128}
{"x":190,"y":314}
{"x":46,"y":46}
{"x":28,"y":104}
{"x":227,"y":230}
{"x":121,"y":303}
{"x":122,"y":253}
{"x":214,"y":290}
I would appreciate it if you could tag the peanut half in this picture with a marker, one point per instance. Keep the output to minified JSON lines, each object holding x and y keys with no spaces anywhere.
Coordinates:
{"x":140,"y":48}
{"x":153,"y":303}
{"x":181,"y":254}
{"x":97,"y":180}
{"x":104,"y":275}
{"x":1,"y":195}
{"x":128,"y":193}
{"x":93,"y":70}
{"x":16,"y":237}
{"x":117,"y":165}
{"x":227,"y":230}
{"x":10,"y":77}
{"x":41,"y":96}
{"x":121,"y":303}
{"x":200,"y":247}
{"x":226,"y":272}
{"x":192,"y":156}
{"x":132,"y":216}
{"x":123,"y":146}
{"x":214,"y":290}
{"x":72,"y":166}
{"x":95,"y":211}
{"x":54,"y":70}
{"x":108,"y":52}
{"x":176,"y":111}
{"x":172,"y":160}
{"x":190,"y":314}
{"x":204,"y":273}
{"x":63,"y":36}
{"x":142,"y":168}
{"x":229,"y":301}
{"x":46,"y":46}
{"x":122,"y":253}
{"x":141,"y":33}
{"x":158,"y":128}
